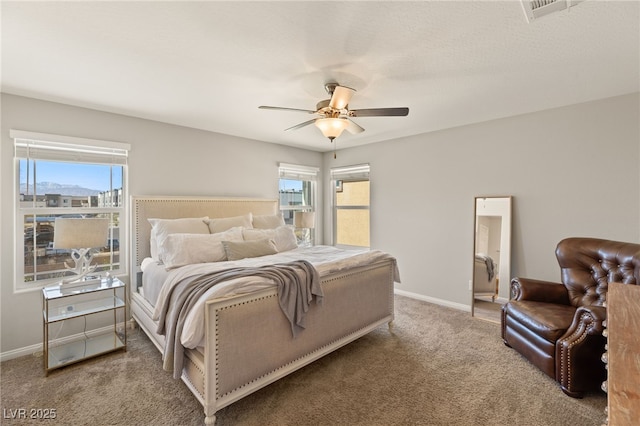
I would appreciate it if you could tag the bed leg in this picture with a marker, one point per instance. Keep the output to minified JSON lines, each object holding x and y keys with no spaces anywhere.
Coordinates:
{"x":210,"y":420}
{"x":390,"y":324}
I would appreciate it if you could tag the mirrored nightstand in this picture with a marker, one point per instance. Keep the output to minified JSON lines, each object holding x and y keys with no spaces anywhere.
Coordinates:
{"x":83,"y":320}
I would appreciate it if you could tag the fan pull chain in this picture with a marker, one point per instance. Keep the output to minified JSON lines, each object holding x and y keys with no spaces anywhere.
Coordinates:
{"x":334,"y":148}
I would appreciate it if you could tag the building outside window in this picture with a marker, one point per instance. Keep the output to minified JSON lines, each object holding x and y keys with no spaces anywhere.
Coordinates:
{"x":351,"y":206}
{"x":59,"y":176}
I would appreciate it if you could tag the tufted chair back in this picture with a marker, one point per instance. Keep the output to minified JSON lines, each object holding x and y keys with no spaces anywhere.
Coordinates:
{"x":588,"y":265}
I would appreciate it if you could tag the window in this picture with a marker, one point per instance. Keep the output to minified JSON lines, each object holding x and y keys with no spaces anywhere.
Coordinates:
{"x":297,"y":190}
{"x":58,"y":176}
{"x":351,"y":206}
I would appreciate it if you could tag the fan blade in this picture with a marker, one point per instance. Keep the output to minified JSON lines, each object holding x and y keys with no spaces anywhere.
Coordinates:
{"x":380,"y":112}
{"x":308,"y":111}
{"x":354,"y":128}
{"x":298,"y":126}
{"x":341,"y":97}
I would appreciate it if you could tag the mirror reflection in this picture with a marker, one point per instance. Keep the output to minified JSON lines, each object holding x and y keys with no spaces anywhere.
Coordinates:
{"x":492,"y":256}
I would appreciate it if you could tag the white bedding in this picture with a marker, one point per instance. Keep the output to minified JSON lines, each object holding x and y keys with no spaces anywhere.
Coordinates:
{"x":153,"y":276}
{"x":325,"y":259}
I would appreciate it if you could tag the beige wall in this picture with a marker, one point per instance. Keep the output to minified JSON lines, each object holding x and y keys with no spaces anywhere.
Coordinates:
{"x":573,"y":171}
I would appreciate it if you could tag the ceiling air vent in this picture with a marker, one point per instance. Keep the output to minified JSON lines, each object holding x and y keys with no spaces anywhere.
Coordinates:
{"x":534,"y":9}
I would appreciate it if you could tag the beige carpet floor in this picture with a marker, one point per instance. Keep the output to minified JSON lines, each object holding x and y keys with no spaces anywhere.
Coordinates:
{"x":438,"y":366}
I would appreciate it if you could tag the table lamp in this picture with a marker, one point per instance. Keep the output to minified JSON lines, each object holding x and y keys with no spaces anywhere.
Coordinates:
{"x":304,"y":221}
{"x":82,"y":236}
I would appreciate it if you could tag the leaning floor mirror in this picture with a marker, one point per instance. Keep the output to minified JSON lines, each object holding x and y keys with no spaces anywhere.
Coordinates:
{"x":491,"y":257}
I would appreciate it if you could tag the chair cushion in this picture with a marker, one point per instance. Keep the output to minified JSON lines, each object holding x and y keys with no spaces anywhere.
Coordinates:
{"x":547,"y":320}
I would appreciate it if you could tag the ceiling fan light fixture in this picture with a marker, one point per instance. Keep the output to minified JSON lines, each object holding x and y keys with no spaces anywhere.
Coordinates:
{"x":332,"y":127}
{"x":335,"y":113}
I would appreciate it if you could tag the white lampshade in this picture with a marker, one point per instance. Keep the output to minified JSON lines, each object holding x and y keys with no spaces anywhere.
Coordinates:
{"x":331,"y":127}
{"x":304,"y":219}
{"x":75,"y":233}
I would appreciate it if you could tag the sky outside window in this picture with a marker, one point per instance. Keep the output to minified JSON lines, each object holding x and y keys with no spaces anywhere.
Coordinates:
{"x":91,"y":176}
{"x":290,"y":185}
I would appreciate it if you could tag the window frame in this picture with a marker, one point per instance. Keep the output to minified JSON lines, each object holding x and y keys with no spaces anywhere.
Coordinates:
{"x":354,"y":173}
{"x":301,"y":173}
{"x":34,"y":147}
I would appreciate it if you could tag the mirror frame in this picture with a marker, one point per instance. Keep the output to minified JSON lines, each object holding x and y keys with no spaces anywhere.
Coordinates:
{"x":503,"y":207}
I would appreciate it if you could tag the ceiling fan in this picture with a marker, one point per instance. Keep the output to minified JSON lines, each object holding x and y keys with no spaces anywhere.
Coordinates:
{"x":335,"y":115}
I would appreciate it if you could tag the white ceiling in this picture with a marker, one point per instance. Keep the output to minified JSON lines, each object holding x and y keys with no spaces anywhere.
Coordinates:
{"x":209,"y":65}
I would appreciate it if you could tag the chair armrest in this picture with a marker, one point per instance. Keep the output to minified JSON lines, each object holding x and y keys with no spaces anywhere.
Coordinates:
{"x":579,"y":352}
{"x":590,"y":318}
{"x":539,"y":291}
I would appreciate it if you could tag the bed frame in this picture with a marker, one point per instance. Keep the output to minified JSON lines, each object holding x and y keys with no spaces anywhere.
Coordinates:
{"x":482,"y":286}
{"x":248,"y":340}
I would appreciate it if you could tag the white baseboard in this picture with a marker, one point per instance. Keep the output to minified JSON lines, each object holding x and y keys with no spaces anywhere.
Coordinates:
{"x":441,"y":302}
{"x":36,"y":350}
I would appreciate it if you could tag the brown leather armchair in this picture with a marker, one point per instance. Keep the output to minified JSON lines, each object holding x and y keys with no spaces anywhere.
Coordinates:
{"x":558,"y":327}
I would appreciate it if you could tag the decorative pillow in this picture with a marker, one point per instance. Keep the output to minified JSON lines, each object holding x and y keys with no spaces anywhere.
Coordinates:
{"x":268,"y":221}
{"x":161,"y":228}
{"x":224,"y":223}
{"x":283,"y":236}
{"x":243,"y":249}
{"x":187,"y":249}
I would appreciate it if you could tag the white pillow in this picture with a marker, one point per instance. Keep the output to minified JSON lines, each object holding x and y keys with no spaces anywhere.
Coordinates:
{"x":161,"y":228}
{"x":187,"y":249}
{"x":237,"y":250}
{"x":224,"y":223}
{"x":268,"y":221}
{"x":284,"y":236}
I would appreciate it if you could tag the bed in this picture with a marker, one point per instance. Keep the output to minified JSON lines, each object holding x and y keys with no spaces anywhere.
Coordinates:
{"x":246,"y":341}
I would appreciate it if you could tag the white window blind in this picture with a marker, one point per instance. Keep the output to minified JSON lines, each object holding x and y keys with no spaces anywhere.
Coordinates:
{"x":297,"y":172}
{"x":356,"y":172}
{"x":40,"y":146}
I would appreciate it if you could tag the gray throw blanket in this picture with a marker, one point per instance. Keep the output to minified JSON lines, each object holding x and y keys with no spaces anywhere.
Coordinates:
{"x":488,"y":261}
{"x":297,"y":283}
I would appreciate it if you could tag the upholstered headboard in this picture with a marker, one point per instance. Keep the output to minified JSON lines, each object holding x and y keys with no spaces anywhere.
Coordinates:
{"x":167,"y":207}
